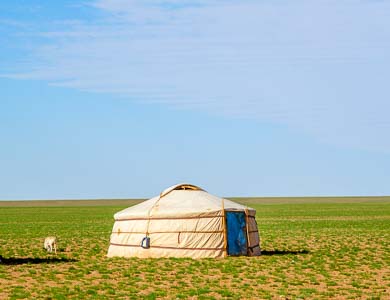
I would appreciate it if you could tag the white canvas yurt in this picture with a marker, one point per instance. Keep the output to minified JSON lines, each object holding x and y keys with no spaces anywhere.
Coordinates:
{"x":185,"y":221}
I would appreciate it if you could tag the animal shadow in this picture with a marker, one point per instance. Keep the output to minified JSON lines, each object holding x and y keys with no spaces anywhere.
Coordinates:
{"x":283,"y":252}
{"x":34,"y":260}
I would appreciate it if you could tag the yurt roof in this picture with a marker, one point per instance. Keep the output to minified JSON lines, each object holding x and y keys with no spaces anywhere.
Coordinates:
{"x":178,"y":200}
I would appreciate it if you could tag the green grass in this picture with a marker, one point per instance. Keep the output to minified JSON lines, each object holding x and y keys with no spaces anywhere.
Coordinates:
{"x":313,"y":248}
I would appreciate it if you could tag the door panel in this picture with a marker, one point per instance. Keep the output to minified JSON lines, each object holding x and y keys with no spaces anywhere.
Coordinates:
{"x":236,"y":233}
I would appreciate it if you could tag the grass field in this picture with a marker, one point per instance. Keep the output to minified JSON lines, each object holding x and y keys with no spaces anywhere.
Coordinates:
{"x":313,"y":248}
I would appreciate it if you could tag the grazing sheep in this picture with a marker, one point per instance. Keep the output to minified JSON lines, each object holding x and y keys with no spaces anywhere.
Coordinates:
{"x":50,"y":244}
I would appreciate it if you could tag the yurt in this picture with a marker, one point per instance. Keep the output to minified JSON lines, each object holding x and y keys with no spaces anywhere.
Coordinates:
{"x":185,"y":221}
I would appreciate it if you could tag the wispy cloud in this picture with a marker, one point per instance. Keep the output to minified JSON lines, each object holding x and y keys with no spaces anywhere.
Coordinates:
{"x":319,"y":67}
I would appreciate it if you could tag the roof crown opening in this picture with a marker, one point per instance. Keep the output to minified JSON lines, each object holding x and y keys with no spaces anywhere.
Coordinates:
{"x":180,"y":187}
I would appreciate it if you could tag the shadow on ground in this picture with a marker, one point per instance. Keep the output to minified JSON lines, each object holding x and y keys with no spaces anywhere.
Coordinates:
{"x":283,"y":252}
{"x":34,"y":260}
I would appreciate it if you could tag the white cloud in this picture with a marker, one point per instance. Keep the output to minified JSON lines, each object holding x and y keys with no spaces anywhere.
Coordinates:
{"x":319,"y":67}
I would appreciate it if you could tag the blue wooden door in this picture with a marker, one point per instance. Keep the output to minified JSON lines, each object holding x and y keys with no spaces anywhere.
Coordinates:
{"x":236,"y":233}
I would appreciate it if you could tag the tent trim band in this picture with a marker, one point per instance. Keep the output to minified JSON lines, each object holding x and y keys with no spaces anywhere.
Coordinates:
{"x":255,"y":246}
{"x":168,"y":218}
{"x":160,"y":232}
{"x":166,"y":247}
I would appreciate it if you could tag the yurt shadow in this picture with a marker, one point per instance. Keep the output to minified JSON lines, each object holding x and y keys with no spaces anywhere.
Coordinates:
{"x":283,"y":252}
{"x":35,"y":260}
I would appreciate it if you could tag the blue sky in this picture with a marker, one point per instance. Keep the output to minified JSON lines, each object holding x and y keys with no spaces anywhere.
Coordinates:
{"x":120,"y":99}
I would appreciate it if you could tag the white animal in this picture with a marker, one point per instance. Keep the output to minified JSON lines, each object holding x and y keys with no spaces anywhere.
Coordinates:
{"x":50,"y":244}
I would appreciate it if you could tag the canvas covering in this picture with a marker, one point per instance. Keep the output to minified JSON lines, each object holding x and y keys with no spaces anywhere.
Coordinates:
{"x":183,"y":221}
